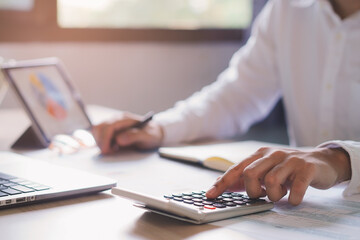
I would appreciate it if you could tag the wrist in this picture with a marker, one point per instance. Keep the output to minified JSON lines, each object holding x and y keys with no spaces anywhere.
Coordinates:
{"x":158,"y":134}
{"x":340,"y":160}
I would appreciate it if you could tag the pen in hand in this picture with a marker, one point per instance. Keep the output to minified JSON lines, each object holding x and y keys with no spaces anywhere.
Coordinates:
{"x":147,"y":118}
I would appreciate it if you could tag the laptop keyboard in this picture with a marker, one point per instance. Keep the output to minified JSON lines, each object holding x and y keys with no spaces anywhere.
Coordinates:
{"x":11,"y":185}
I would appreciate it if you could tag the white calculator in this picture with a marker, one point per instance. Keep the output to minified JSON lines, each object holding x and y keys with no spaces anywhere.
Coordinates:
{"x":194,"y":207}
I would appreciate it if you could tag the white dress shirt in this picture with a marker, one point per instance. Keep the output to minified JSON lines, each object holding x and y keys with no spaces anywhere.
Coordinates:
{"x":299,"y":50}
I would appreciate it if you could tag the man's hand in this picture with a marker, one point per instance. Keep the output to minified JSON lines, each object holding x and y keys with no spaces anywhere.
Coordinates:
{"x":272,"y":172}
{"x":148,"y":137}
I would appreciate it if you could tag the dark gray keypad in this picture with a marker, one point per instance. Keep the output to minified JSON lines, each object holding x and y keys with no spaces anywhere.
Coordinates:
{"x":226,"y":200}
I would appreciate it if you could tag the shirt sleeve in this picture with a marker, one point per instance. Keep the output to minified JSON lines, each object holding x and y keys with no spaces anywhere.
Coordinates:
{"x":353,"y":149}
{"x":243,"y":94}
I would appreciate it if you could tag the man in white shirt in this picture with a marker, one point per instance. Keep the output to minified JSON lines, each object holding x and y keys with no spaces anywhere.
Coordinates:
{"x":306,"y":51}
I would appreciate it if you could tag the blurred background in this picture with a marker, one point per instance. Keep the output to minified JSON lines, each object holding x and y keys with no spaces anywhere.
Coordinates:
{"x":134,"y":55}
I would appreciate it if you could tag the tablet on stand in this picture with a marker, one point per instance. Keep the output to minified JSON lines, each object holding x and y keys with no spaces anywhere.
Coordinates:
{"x":49,"y":99}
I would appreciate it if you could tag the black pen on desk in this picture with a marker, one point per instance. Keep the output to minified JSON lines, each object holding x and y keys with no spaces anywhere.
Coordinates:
{"x":147,"y":118}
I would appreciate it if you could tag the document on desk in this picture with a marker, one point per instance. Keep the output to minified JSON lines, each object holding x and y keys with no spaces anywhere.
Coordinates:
{"x":324,"y":214}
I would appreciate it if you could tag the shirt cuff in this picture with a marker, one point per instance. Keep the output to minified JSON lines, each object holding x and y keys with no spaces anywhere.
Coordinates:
{"x":173,"y":128}
{"x":353,"y":149}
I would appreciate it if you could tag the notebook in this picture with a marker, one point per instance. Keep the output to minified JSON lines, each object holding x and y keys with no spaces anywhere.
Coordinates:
{"x":25,"y":180}
{"x":217,"y":156}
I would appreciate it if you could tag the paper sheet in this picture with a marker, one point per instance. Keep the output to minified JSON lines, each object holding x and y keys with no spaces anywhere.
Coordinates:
{"x":324,"y":214}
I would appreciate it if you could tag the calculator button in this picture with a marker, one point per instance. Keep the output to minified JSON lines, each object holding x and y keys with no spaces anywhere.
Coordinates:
{"x":219,"y":205}
{"x":228,"y":200}
{"x":198,"y":204}
{"x":187,"y":194}
{"x":197,"y":200}
{"x":178,"y":199}
{"x":187,"y":197}
{"x":235,"y":194}
{"x":209,"y":207}
{"x":230,"y":204}
{"x":188,"y":201}
{"x":239,"y":202}
{"x":226,"y":195}
{"x":208,"y":202}
{"x":168,"y":196}
{"x":237,"y":198}
{"x":218,"y":201}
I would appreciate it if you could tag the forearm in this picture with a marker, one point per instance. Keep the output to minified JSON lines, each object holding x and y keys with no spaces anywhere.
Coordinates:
{"x":210,"y":113}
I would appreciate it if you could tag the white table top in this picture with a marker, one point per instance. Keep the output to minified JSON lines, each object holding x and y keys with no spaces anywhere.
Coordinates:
{"x":323,"y":215}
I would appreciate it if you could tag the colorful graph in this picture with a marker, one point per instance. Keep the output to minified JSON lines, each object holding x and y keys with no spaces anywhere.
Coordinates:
{"x":48,"y":96}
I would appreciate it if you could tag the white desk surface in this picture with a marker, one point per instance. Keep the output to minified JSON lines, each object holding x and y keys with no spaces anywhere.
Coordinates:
{"x":323,"y":215}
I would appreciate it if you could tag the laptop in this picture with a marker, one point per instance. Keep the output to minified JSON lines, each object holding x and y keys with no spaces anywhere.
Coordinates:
{"x":25,"y":180}
{"x":54,"y":107}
